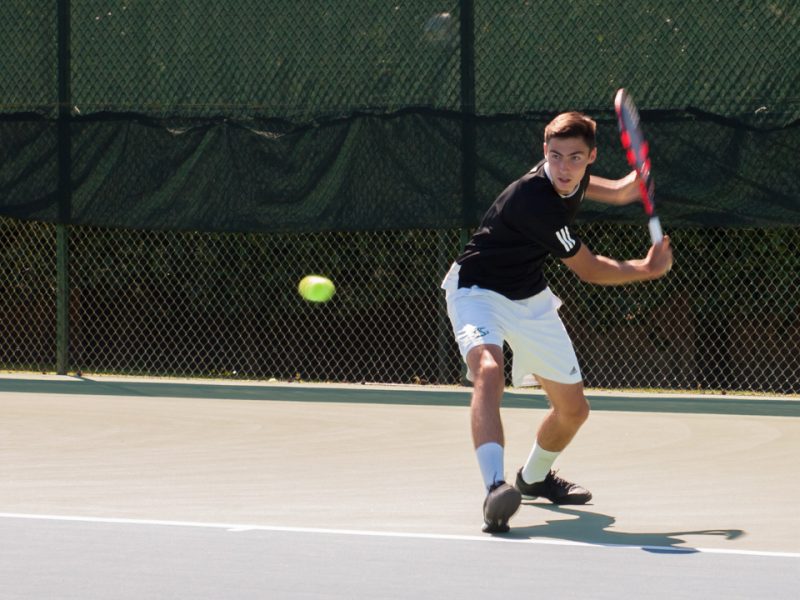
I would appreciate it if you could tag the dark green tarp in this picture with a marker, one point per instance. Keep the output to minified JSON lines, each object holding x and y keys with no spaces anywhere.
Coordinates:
{"x":299,"y":116}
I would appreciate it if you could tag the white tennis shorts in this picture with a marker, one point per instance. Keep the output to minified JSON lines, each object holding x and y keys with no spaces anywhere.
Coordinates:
{"x":532,"y":328}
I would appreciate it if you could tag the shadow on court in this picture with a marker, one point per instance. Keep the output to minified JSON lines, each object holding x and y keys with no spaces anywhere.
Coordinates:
{"x":595,"y":528}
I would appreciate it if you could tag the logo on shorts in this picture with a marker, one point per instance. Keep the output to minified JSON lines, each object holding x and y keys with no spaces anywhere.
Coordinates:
{"x":471,"y":332}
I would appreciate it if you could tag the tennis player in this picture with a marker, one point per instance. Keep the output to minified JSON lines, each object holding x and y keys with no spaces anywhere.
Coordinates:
{"x":496,"y":291}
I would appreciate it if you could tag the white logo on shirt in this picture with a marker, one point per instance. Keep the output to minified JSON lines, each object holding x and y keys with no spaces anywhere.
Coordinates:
{"x":565,"y":238}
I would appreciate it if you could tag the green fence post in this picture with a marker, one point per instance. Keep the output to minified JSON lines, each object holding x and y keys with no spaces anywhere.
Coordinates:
{"x":446,"y":256}
{"x":468,"y":142}
{"x":468,"y":146}
{"x":62,"y":299}
{"x":64,"y":189}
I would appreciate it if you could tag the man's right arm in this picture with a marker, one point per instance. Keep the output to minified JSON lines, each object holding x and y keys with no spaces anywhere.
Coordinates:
{"x":593,"y":268}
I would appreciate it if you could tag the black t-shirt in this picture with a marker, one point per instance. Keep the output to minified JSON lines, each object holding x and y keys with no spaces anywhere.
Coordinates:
{"x":527,"y":222}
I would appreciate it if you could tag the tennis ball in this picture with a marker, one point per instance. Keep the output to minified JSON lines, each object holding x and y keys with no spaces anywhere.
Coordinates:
{"x":316,"y":288}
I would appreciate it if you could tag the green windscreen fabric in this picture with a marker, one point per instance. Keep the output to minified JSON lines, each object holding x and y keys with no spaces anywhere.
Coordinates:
{"x":264,"y":59}
{"x":262,"y":115}
{"x":29,"y":51}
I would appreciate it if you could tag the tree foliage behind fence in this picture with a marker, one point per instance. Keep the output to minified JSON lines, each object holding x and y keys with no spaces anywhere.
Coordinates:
{"x":225,"y":305}
{"x":169,"y":169}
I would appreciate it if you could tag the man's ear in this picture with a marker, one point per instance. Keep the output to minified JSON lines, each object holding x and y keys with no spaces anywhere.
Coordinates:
{"x":593,"y":155}
{"x":544,"y":149}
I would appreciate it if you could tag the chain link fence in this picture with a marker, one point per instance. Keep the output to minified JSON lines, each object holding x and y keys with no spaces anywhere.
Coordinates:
{"x":204,"y":156}
{"x":27,"y":296}
{"x":250,"y":58}
{"x":226,"y":306}
{"x":288,"y":116}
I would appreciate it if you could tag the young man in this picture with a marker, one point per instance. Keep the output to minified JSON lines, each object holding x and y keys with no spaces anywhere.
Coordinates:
{"x":496,"y":292}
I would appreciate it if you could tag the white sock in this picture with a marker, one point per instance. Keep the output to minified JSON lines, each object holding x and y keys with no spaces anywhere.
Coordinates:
{"x":539,"y":463}
{"x":490,"y":460}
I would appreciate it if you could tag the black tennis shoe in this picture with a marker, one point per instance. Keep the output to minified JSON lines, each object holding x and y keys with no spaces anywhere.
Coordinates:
{"x":501,"y":503}
{"x":555,"y":489}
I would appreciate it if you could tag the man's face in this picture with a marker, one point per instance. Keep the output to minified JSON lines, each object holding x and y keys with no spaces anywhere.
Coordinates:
{"x":568,"y":159}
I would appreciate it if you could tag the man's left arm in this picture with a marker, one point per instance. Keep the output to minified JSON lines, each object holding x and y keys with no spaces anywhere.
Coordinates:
{"x":613,"y":191}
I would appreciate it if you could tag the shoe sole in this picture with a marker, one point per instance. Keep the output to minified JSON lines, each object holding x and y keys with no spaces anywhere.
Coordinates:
{"x":580,"y":500}
{"x":502,"y":508}
{"x":574,"y":501}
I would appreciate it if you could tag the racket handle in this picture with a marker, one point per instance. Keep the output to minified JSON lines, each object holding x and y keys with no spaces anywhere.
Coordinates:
{"x":655,"y":230}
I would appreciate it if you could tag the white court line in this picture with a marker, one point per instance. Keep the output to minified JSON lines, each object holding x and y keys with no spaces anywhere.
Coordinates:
{"x":238,"y":528}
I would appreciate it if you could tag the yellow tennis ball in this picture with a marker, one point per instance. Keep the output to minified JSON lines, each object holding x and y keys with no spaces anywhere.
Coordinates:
{"x":316,"y":288}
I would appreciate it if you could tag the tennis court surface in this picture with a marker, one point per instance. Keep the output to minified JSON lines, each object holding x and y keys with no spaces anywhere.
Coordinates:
{"x":127,"y":488}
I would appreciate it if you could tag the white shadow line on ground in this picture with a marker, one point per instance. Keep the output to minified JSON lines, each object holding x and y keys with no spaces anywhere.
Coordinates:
{"x":242,"y":528}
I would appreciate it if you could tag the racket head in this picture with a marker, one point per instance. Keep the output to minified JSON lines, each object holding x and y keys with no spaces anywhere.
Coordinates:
{"x":637,"y":151}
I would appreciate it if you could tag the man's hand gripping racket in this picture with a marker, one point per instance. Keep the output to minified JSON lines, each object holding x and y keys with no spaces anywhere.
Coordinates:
{"x":638,"y":154}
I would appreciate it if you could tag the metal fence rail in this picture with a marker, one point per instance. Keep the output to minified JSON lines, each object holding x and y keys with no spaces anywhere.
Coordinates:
{"x":226,"y":306}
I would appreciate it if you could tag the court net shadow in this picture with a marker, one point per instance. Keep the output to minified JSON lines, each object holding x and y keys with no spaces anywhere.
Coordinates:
{"x":597,"y":528}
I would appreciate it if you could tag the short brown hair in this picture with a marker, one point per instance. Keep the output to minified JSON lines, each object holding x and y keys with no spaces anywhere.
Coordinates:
{"x":572,"y":124}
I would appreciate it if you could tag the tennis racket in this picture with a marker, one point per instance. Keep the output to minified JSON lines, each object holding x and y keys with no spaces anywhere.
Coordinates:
{"x":638,"y":154}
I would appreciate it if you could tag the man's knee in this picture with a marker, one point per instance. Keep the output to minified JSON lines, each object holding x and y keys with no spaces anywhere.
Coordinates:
{"x":576,"y":411}
{"x":568,"y":402}
{"x":486,"y":366}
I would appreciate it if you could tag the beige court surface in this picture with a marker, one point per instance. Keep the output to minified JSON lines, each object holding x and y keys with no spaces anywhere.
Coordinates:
{"x":724,"y":476}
